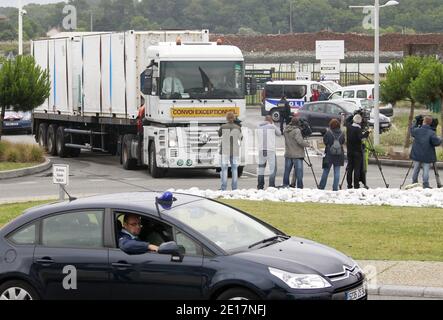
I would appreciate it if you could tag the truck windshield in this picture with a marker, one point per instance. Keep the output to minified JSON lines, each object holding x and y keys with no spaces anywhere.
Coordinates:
{"x":201,"y":80}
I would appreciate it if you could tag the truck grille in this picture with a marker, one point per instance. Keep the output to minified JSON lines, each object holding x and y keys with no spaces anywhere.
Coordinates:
{"x":202,"y":140}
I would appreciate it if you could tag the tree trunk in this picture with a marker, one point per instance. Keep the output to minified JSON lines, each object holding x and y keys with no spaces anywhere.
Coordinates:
{"x":441,"y":115}
{"x":2,"y":117}
{"x":408,"y":132}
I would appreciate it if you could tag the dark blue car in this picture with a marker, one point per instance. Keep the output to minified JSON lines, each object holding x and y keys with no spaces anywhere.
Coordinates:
{"x":207,"y":250}
{"x":17,"y":121}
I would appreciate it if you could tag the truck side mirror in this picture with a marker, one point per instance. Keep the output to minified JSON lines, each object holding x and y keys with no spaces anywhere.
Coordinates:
{"x":146,"y":82}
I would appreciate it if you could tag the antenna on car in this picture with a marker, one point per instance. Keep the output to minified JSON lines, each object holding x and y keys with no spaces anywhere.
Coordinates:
{"x":69,"y":196}
{"x":165,"y":201}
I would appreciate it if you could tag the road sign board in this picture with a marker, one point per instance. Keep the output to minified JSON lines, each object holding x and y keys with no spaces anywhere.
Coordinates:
{"x":60,"y":174}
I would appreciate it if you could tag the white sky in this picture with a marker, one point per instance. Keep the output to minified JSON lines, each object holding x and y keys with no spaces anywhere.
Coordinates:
{"x":13,"y":3}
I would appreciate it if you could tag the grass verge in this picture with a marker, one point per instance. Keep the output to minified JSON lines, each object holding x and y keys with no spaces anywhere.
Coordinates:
{"x":5,"y":166}
{"x":369,"y":233}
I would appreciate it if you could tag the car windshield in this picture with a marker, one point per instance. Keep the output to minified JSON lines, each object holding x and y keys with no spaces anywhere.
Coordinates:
{"x":201,"y":80}
{"x":228,"y":228}
{"x":349,"y":106}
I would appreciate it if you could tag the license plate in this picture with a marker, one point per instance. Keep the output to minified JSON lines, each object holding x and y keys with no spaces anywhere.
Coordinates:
{"x":11,"y":124}
{"x":385,"y":125}
{"x":356,"y":294}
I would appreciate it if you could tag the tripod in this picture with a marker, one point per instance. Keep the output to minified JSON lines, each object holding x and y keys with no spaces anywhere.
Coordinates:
{"x":309,"y":163}
{"x":437,"y":175}
{"x":370,"y":149}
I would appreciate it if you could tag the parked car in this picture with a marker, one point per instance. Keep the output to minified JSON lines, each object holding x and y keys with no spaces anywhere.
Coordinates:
{"x":365,"y":91}
{"x":385,"y":109}
{"x":17,"y":121}
{"x":319,"y":114}
{"x":296,"y":92}
{"x":207,"y":250}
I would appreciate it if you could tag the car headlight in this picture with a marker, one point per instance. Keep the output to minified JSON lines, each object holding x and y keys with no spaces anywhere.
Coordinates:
{"x":300,"y":281}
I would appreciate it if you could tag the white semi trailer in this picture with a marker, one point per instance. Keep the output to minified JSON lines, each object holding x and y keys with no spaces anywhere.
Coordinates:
{"x":100,"y":81}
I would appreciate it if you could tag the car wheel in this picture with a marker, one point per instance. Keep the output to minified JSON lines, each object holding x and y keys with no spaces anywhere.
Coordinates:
{"x":238,"y":294}
{"x":17,"y":290}
{"x":127,"y":162}
{"x":52,"y":129}
{"x":155,"y":171}
{"x":275,"y":114}
{"x":42,"y":132}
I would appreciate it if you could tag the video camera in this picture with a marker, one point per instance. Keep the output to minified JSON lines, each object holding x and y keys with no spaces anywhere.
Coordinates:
{"x":365,"y":116}
{"x":305,"y":128}
{"x":419,"y":122}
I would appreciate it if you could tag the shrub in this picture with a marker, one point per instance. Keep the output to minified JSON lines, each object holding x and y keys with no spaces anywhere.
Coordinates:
{"x":20,"y":152}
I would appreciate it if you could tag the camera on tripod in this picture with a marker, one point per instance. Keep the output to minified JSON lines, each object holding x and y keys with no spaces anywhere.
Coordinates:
{"x":305,"y":128}
{"x":419,"y":122}
{"x":365,"y":116}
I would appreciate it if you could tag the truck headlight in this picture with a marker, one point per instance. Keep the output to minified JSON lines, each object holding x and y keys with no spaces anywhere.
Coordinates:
{"x":172,"y":138}
{"x":300,"y":281}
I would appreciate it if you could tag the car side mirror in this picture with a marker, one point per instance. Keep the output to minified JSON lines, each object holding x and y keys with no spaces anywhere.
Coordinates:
{"x":146,"y":82}
{"x":173,"y":249}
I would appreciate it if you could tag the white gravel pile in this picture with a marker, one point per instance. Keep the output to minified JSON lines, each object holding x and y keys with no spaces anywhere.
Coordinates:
{"x":417,"y":197}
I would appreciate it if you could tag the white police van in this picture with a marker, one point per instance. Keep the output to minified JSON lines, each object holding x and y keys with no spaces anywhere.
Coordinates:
{"x":297,"y":92}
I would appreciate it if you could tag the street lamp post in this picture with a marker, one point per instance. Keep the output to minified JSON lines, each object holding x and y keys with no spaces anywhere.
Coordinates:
{"x":376,"y":9}
{"x":20,"y":27}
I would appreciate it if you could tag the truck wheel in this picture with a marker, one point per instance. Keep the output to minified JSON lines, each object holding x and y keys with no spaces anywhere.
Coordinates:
{"x":275,"y":114}
{"x":127,"y":162}
{"x":155,"y":171}
{"x":42,"y":135}
{"x":60,"y":140}
{"x":74,"y":152}
{"x":51,"y":139}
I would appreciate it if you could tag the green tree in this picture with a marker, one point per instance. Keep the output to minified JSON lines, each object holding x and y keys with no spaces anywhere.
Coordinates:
{"x":428,"y":87}
{"x":23,"y":85}
{"x":397,"y":85}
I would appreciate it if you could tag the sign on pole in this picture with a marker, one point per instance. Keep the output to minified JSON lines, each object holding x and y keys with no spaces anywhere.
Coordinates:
{"x":60,"y":176}
{"x":330,"y":50}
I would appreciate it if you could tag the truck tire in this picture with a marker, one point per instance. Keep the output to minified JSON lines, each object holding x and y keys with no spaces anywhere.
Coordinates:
{"x":42,"y":135}
{"x":74,"y":152}
{"x":127,"y":162}
{"x":51,"y":139}
{"x":275,"y":114}
{"x":155,"y":171}
{"x":61,"y":138}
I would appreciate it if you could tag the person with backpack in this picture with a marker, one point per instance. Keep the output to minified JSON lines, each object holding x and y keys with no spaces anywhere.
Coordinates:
{"x":334,"y":140}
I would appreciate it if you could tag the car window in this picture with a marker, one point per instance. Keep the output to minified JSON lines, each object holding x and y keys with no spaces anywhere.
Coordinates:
{"x":25,"y":235}
{"x":318,"y":107}
{"x":295,"y":91}
{"x":348,"y":94}
{"x":74,"y":229}
{"x":151,"y":231}
{"x":336,"y":95}
{"x":274,"y":91}
{"x":349,"y":107}
{"x":334,"y":109}
{"x":191,"y":247}
{"x":224,"y":226}
{"x":362,"y":94}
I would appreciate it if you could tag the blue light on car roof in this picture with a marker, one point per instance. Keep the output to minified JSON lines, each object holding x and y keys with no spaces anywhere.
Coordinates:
{"x":166,"y":200}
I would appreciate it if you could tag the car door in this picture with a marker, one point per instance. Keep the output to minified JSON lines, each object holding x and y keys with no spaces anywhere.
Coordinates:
{"x":70,"y":261}
{"x":317,"y":113}
{"x":158,"y":276}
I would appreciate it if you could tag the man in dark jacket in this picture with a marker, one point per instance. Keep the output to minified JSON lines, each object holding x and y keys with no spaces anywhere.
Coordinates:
{"x":354,"y":137}
{"x":128,"y":238}
{"x":285,"y":112}
{"x":423,"y":149}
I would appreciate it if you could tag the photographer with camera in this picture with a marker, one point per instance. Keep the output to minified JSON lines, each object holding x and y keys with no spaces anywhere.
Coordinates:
{"x":285,"y":112}
{"x":294,"y":152}
{"x":354,"y":137}
{"x":423,"y":148}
